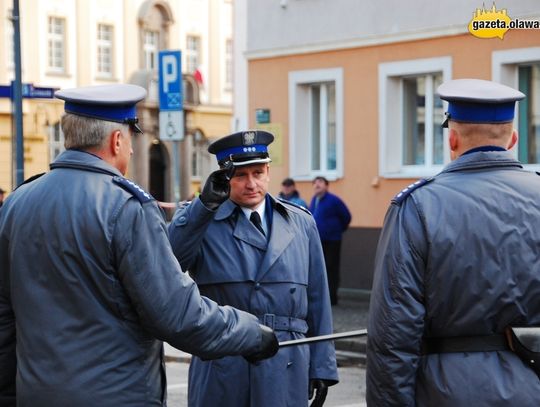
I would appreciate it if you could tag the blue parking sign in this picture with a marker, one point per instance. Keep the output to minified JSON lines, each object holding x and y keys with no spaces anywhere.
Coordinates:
{"x":170,"y":81}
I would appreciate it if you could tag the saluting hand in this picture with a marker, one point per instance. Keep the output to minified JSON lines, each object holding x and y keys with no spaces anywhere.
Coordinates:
{"x":216,"y":189}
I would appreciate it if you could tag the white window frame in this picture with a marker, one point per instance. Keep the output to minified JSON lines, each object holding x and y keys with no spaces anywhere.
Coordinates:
{"x":151,"y":49}
{"x":56,"y":41}
{"x":505,"y":70}
{"x":104,"y":44}
{"x":300,"y":125}
{"x":9,"y":32}
{"x":391,"y":76}
{"x":193,"y":55}
{"x":228,"y":64}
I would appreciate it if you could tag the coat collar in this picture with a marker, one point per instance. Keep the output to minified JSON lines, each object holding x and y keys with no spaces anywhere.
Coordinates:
{"x":85,"y":161}
{"x":282,"y":232}
{"x":483,"y":159}
{"x":228,"y":208}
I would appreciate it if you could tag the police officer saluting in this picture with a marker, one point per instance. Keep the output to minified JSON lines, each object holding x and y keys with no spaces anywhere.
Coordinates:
{"x":458,"y":266}
{"x":246,"y":249}
{"x":89,"y":286}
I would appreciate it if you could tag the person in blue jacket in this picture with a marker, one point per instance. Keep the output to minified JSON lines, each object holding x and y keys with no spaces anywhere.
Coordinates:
{"x":457,"y":264}
{"x":89,"y":286}
{"x":332,"y":217}
{"x":290,"y":193}
{"x":263,"y":255}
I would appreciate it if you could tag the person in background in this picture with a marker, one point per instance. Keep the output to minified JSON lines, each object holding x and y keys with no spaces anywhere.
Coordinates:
{"x":246,"y":249}
{"x":333,"y":218}
{"x":289,"y":193}
{"x":2,"y":192}
{"x":457,"y":266}
{"x":89,"y":286}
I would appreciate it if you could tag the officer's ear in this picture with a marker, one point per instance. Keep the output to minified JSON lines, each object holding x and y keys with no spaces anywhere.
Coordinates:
{"x":115,"y":142}
{"x":453,"y":142}
{"x":513,"y":140}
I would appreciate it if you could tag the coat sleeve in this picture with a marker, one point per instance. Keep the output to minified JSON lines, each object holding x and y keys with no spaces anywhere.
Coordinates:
{"x":343,"y":213}
{"x":396,"y":312}
{"x":166,"y":300}
{"x":8,"y":360}
{"x":322,"y":354}
{"x":187,"y":230}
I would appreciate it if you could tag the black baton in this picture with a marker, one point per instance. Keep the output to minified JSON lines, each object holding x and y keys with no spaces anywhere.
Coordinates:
{"x":331,"y":337}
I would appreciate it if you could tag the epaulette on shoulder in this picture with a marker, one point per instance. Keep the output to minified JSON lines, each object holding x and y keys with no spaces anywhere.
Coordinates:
{"x":32,"y":178}
{"x":404,"y":193}
{"x":306,"y":210}
{"x":134,"y":189}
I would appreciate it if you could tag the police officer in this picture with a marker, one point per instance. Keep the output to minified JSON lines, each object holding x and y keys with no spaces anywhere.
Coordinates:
{"x":457,"y":263}
{"x":89,"y":286}
{"x":246,"y":249}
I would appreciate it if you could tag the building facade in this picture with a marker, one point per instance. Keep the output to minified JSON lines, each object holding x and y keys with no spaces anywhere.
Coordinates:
{"x":350,"y":90}
{"x":70,"y":43}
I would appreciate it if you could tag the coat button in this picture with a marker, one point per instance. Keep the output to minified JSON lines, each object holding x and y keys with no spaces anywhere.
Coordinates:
{"x":258,"y":286}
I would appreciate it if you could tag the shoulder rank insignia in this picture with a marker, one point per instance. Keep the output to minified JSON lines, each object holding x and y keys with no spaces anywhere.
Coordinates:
{"x":306,"y":210}
{"x":404,"y":193}
{"x":136,"y":190}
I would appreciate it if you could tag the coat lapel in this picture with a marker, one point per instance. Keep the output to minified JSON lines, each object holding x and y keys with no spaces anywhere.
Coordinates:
{"x":248,"y":233}
{"x":280,"y":238}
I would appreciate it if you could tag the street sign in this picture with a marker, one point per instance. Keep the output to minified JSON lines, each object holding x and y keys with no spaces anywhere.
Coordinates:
{"x":29,"y":91}
{"x":171,"y":113}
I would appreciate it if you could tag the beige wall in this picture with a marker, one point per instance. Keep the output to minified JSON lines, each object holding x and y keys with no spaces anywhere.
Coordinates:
{"x":367,"y":195}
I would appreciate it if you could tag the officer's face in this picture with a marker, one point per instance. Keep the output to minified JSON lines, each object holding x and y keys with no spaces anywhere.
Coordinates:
{"x":249,"y":185}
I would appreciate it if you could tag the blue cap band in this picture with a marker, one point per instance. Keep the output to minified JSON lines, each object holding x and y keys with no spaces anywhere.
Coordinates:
{"x":255,"y":148}
{"x":481,"y":112}
{"x":119,"y":114}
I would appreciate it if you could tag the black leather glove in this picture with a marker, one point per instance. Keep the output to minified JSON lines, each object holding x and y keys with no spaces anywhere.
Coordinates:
{"x":268,"y":347}
{"x":321,"y":388}
{"x":216,"y":188}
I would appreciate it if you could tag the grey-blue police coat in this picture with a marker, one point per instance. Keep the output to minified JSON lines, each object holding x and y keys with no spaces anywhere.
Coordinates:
{"x":284,"y":278}
{"x":89,"y":287}
{"x":458,"y":256}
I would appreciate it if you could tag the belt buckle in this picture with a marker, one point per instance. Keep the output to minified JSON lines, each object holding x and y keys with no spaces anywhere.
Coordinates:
{"x":269,"y":320}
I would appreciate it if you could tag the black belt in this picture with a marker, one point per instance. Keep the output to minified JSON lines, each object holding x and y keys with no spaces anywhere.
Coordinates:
{"x":484,"y":343}
{"x":280,"y":323}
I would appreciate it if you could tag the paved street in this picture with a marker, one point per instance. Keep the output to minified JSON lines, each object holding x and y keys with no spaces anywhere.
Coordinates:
{"x":349,"y":392}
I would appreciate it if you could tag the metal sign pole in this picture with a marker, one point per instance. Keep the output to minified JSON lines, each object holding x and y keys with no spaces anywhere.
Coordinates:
{"x":17,"y":96}
{"x":171,"y":112}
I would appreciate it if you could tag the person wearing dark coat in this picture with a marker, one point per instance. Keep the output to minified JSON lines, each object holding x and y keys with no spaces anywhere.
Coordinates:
{"x":247,"y":249}
{"x":290,"y":193}
{"x":332,"y":217}
{"x":457,"y":266}
{"x":89,"y":286}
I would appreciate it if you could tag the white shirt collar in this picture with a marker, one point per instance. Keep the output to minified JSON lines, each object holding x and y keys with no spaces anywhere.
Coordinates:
{"x":261,"y":210}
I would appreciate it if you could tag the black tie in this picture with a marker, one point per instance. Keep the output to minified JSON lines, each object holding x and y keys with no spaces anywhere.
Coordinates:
{"x":256,"y":220}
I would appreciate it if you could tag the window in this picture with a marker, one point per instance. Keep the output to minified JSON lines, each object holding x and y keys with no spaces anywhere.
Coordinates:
{"x":316,"y":123}
{"x":520,"y":69}
{"x":150,"y":49}
{"x":411,"y":140}
{"x":105,"y":50}
{"x":193,"y":53}
{"x":529,"y":114}
{"x":422,"y":117}
{"x":228,"y":64}
{"x":56,"y":45}
{"x":56,"y":141}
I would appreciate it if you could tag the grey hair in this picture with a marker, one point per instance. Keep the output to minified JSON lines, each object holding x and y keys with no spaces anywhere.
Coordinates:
{"x":83,"y":133}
